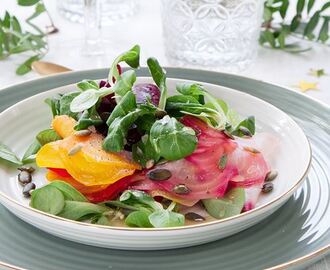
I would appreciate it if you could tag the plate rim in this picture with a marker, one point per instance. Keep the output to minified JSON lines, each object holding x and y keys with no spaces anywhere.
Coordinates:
{"x":316,"y":254}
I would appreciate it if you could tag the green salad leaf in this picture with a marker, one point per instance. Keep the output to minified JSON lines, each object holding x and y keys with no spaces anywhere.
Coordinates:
{"x":7,"y":154}
{"x":171,"y":139}
{"x":64,"y":104}
{"x":31,"y":151}
{"x":69,"y":192}
{"x":77,"y":210}
{"x":130,"y":57}
{"x":149,"y":213}
{"x":159,"y":76}
{"x":54,"y":104}
{"x":47,"y":136}
{"x":248,"y":123}
{"x":48,"y":199}
{"x":144,"y":152}
{"x":124,"y":83}
{"x":87,"y":85}
{"x":230,"y":205}
{"x":89,"y":118}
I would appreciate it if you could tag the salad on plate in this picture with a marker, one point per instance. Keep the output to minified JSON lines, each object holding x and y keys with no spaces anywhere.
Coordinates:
{"x":122,"y":153}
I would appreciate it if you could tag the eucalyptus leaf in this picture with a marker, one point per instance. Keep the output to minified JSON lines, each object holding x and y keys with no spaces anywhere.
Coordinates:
{"x":26,"y":66}
{"x":172,"y":139}
{"x":48,"y":199}
{"x":7,"y":154}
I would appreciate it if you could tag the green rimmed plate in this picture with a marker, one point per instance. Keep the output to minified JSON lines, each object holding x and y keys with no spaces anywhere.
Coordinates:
{"x":296,"y":230}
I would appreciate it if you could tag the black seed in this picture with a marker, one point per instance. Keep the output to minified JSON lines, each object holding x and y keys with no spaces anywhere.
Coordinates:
{"x":245,"y":131}
{"x":29,"y":169}
{"x":24,"y":178}
{"x":181,"y":189}
{"x":194,"y":216}
{"x":267,"y":187}
{"x":270,"y":176}
{"x":159,"y":174}
{"x":228,"y":134}
{"x":160,"y":114}
{"x":28,"y":189}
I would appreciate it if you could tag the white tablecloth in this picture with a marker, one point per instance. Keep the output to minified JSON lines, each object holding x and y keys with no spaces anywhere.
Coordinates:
{"x":145,"y":29}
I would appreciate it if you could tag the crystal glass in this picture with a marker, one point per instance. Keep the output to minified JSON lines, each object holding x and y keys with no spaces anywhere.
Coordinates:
{"x":215,"y":34}
{"x":111,"y":10}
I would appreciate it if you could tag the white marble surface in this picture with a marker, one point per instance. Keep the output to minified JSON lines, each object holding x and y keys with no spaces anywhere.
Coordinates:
{"x":145,"y":29}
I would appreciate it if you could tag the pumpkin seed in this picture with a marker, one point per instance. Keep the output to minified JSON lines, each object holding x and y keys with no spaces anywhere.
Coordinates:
{"x":159,"y":174}
{"x":160,"y":114}
{"x":222,"y":162}
{"x":29,"y":169}
{"x":267,"y":187}
{"x":181,"y":189}
{"x":24,"y":178}
{"x":194,"y":216}
{"x":251,"y":150}
{"x":270,"y":176}
{"x":83,"y":133}
{"x":246,"y":132}
{"x":228,"y":134}
{"x":74,"y":150}
{"x":27,"y":190}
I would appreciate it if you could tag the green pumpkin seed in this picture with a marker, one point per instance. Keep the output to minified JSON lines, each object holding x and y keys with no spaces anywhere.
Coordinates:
{"x":181,"y":189}
{"x":270,"y":176}
{"x":159,"y":174}
{"x":83,"y":133}
{"x":194,"y":216}
{"x":74,"y":150}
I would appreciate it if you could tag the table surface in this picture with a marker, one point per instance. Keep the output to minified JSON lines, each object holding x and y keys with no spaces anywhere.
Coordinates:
{"x":145,"y":28}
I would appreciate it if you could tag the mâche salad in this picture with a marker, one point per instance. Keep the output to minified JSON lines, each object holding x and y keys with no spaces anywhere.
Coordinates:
{"x":122,"y":153}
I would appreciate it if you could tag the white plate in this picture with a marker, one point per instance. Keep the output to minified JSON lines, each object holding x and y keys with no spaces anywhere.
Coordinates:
{"x":20,"y":123}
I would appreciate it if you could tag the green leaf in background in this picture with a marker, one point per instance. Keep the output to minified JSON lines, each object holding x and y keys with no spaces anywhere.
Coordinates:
{"x":230,"y":205}
{"x":171,"y":139}
{"x":7,"y":154}
{"x":159,"y":76}
{"x":47,"y":136}
{"x":311,"y":25}
{"x":325,"y":6}
{"x":48,"y":199}
{"x":68,"y":191}
{"x":27,"y":2}
{"x":76,"y":210}
{"x":39,"y":9}
{"x":300,"y":6}
{"x":324,"y":31}
{"x":284,"y":8}
{"x":295,"y":22}
{"x":138,"y":219}
{"x":26,"y":66}
{"x":310,"y":5}
{"x":30,"y":153}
